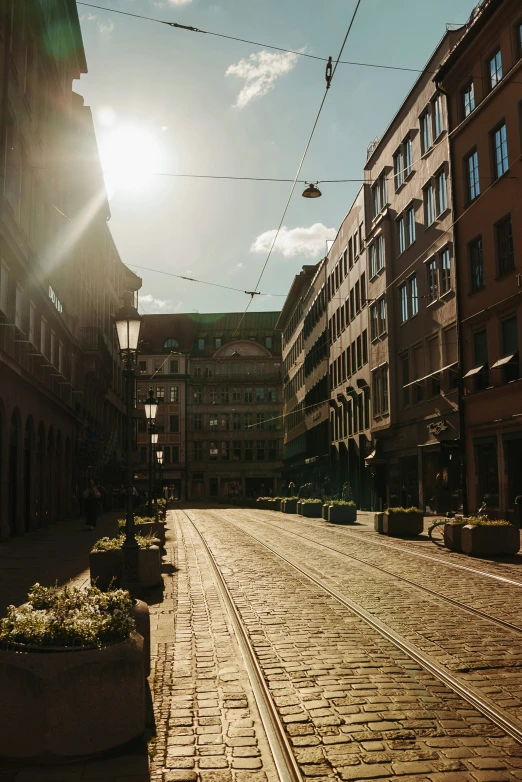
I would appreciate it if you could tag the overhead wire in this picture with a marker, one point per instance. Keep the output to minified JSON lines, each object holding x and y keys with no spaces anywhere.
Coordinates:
{"x":202,"y":282}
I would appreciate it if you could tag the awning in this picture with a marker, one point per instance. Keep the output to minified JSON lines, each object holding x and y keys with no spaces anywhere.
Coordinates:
{"x":474,"y":371}
{"x":448,"y":366}
{"x":504,"y":360}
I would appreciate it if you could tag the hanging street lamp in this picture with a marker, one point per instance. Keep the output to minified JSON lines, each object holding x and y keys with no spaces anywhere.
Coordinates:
{"x":311,"y":191}
{"x":128,"y":322}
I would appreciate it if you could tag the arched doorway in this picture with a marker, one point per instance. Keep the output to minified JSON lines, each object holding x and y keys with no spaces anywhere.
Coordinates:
{"x":28,"y":473}
{"x":14,"y":446}
{"x":41,"y":519}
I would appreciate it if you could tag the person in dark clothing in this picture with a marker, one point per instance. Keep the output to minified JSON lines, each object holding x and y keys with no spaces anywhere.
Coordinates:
{"x":291,"y":489}
{"x":91,"y":500}
{"x":326,"y":489}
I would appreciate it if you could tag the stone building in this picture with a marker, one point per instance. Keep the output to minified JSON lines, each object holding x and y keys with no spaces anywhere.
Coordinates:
{"x":303,"y":323}
{"x":348,"y":357}
{"x":61,"y":409}
{"x":482,"y":77}
{"x":410,"y":255}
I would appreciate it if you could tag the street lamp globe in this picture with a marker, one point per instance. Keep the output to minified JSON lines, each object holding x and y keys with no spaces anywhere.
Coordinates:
{"x":159,"y":455}
{"x":128,"y":321}
{"x":151,"y":407}
{"x":154,"y":438}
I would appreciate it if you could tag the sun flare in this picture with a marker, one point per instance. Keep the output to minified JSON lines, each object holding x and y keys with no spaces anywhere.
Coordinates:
{"x":129,"y":156}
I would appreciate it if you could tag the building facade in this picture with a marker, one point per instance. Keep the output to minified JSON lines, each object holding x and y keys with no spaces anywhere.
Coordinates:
{"x":349,"y":366}
{"x":61,"y":409}
{"x":306,"y":390}
{"x":482,"y":76}
{"x":413,"y":352}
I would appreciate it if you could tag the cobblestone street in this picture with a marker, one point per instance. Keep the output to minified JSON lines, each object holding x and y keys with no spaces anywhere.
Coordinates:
{"x":371,"y":672}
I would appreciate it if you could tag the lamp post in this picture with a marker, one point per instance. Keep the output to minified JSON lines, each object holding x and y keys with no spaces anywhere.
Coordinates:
{"x":151,"y":408}
{"x":128,"y":321}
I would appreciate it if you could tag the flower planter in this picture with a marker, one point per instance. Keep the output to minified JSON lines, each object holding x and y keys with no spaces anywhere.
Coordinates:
{"x":276,"y":504}
{"x":325,"y":512}
{"x":141,"y":615}
{"x":299,"y":505}
{"x":452,"y":535}
{"x":149,"y":566}
{"x":480,"y":540}
{"x":262,"y":504}
{"x":342,"y":514}
{"x":402,"y":525}
{"x":311,"y":509}
{"x":378,"y":520}
{"x":108,"y":565}
{"x":289,"y":506}
{"x":73,"y":702}
{"x":151,"y":529}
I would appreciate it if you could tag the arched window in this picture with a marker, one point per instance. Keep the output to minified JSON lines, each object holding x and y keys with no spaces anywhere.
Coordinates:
{"x":171,"y":343}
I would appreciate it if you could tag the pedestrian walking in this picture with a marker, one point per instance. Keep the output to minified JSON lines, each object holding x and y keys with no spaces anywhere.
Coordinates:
{"x":291,"y":489}
{"x":91,"y":501}
{"x":347,"y":492}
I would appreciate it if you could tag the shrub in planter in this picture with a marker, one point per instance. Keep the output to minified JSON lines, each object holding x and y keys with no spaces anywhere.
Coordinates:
{"x":106,"y":561}
{"x":482,"y":537}
{"x":311,"y":508}
{"x":342,"y":512}
{"x":71,"y":674}
{"x":289,"y":505}
{"x":402,"y":522}
{"x":147,"y":526}
{"x":452,"y":534}
{"x":263,"y":503}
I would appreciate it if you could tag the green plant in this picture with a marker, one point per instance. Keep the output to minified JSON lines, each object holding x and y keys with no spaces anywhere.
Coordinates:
{"x":345,"y":503}
{"x":403,"y":510}
{"x":69,"y":616}
{"x":263,"y":499}
{"x":311,"y":501}
{"x":483,"y":521}
{"x":139,"y":520}
{"x":294,"y":497}
{"x":111,"y":544}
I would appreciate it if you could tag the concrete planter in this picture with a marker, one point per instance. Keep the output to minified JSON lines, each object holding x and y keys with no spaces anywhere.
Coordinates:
{"x":325,"y":512}
{"x":311,"y":510}
{"x":108,"y":565}
{"x":289,"y":506}
{"x":276,"y":504}
{"x":342,"y":514}
{"x":479,"y":540}
{"x":152,"y":529}
{"x":150,"y":566}
{"x":299,"y":505}
{"x":141,"y":615}
{"x":452,"y":535}
{"x":71,"y":703}
{"x":402,"y":525}
{"x":263,"y":504}
{"x":378,"y":521}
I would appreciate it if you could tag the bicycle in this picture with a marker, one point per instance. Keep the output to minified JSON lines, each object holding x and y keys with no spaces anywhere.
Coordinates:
{"x":436,"y":534}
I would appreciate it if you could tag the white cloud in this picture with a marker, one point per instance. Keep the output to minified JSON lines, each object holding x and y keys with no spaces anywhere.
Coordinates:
{"x":105,"y":26}
{"x":236,"y":268}
{"x":162,"y":3}
{"x":260,"y":73}
{"x":309,"y":242}
{"x":157,"y":305}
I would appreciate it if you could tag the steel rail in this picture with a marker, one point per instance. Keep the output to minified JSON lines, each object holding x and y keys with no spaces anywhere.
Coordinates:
{"x":439,"y":560}
{"x":457,"y":603}
{"x":284,"y":759}
{"x":497,"y":715}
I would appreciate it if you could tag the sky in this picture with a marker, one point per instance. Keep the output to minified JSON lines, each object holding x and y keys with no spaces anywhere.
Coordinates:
{"x":169,"y":101}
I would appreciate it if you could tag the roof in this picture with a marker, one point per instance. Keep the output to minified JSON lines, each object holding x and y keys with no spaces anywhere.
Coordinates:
{"x":479,"y":18}
{"x":301,"y":281}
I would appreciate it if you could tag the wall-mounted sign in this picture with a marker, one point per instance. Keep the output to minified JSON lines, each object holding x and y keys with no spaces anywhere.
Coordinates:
{"x":55,"y":300}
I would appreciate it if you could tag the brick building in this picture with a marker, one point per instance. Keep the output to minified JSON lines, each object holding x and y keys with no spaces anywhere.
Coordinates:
{"x":482,"y":76}
{"x":61,"y":409}
{"x":412,"y":306}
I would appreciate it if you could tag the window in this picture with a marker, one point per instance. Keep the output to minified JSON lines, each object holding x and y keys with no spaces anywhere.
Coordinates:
{"x":471,"y":171}
{"x":201,"y":343}
{"x":405,"y":374}
{"x":213,"y":396}
{"x":468,"y":99}
{"x":425,"y":132}
{"x":236,"y":450}
{"x":355,"y":252}
{"x":249,"y":450}
{"x":272,"y":394}
{"x":4,"y":287}
{"x":197,"y":421}
{"x":377,"y":323}
{"x":379,"y":201}
{"x":380,"y":391}
{"x":272,"y":450}
{"x":223,"y":369}
{"x":433,"y":292}
{"x":249,"y":420}
{"x":236,"y":422}
{"x":373,"y":261}
{"x":511,"y":369}
{"x":174,"y":423}
{"x":518,"y":32}
{"x":442,"y":192}
{"x":403,"y":293}
{"x":43,"y":336}
{"x":260,"y":394}
{"x":429,"y":205}
{"x":197,"y":370}
{"x":398,"y":173}
{"x":260,"y":450}
{"x":142,"y":367}
{"x":208,"y":372}
{"x":505,"y":250}
{"x":357,"y":290}
{"x":143,"y":455}
{"x":142,"y":425}
{"x":418,"y":372}
{"x":224,"y":396}
{"x":495,"y":69}
{"x":410,"y":221}
{"x":236,"y":395}
{"x":174,"y":394}
{"x":438,"y":116}
{"x":213,"y":452}
{"x":198,"y":395}
{"x":225,"y":450}
{"x":158,"y":365}
{"x":361,"y":238}
{"x":414,"y":296}
{"x":52,"y":355}
{"x":175,"y":454}
{"x":500,"y":151}
{"x":268,"y":343}
{"x":260,"y":420}
{"x":248,"y":395}
{"x":217,"y":342}
{"x":374,"y":322}
{"x":160,"y":394}
{"x":19,"y":307}
{"x":476,"y":264}
{"x":401,"y":231}
{"x":382,"y":315}
{"x":445,"y":271}
{"x":380,"y":253}
{"x":32,"y":320}
{"x":363,"y":289}
{"x":408,"y":157}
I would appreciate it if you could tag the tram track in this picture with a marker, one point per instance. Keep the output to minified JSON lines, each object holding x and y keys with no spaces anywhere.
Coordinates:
{"x":496,"y":714}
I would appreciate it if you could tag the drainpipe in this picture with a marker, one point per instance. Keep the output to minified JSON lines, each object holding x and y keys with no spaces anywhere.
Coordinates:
{"x":460,"y":388}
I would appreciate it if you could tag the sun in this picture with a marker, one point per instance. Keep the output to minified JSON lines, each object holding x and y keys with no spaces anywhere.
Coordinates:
{"x":129,"y":155}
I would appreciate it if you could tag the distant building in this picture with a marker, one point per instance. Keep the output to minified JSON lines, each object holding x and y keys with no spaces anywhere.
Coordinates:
{"x":304,"y":326}
{"x":410,"y":258}
{"x":61,"y":278}
{"x":348,"y":340}
{"x":482,"y":76}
